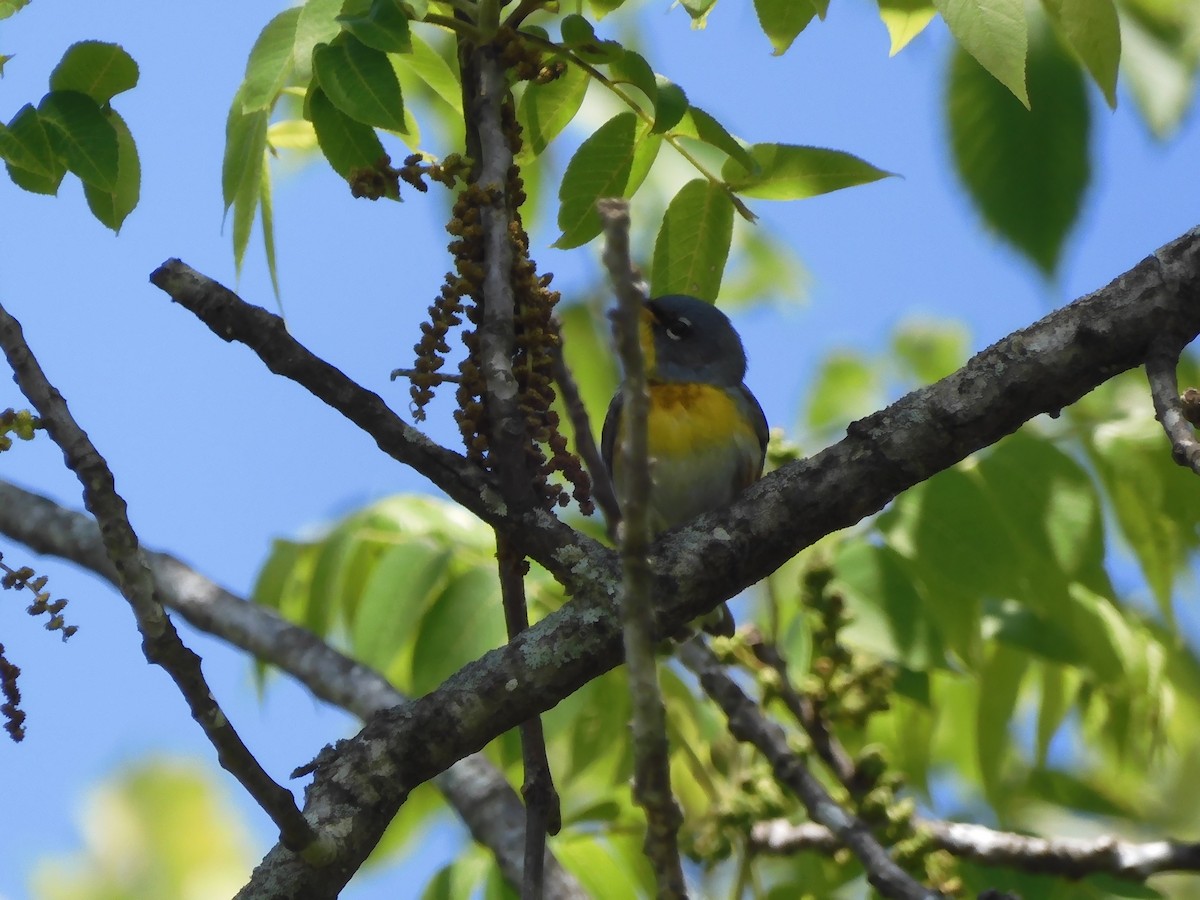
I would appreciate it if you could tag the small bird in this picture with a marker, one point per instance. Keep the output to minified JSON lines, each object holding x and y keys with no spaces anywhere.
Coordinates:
{"x":706,"y":433}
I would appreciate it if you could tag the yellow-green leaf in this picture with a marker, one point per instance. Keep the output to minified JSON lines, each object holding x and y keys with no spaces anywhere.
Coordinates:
{"x":790,"y":172}
{"x":693,"y":242}
{"x":601,"y":167}
{"x":271,"y":61}
{"x":95,"y":68}
{"x":1092,"y":30}
{"x":546,"y":109}
{"x":904,"y":20}
{"x":783,"y":20}
{"x":994,"y":32}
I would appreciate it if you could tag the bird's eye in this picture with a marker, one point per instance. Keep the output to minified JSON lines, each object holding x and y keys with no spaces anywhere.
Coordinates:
{"x":679,"y":329}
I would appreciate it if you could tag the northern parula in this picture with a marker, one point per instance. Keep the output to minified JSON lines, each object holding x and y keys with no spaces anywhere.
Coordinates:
{"x":706,"y":433}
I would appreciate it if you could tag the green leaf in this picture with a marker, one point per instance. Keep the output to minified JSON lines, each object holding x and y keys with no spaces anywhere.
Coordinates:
{"x":400,"y":588}
{"x":463,"y":623}
{"x":360,"y":82}
{"x":89,"y":141}
{"x":995,"y":34}
{"x":1059,"y":684}
{"x":847,"y":387}
{"x":1092,"y":30}
{"x":698,"y":124}
{"x":1159,"y":67}
{"x":579,"y":36}
{"x":267,"y":220}
{"x":95,"y":68}
{"x":999,"y":688}
{"x":693,"y":242}
{"x":271,"y":61}
{"x":317,"y":25}
{"x":631,"y":68}
{"x":428,"y":65}
{"x":384,"y":27}
{"x":1025,"y":169}
{"x":887,"y":615}
{"x":670,"y":104}
{"x":930,"y":350}
{"x":790,"y":172}
{"x":783,"y":20}
{"x":601,"y":167}
{"x":546,"y":109}
{"x":242,"y":172}
{"x":347,"y":144}
{"x":29,"y":149}
{"x":904,"y":20}
{"x":698,"y":10}
{"x":112,"y":207}
{"x":601,"y":8}
{"x":8,"y":7}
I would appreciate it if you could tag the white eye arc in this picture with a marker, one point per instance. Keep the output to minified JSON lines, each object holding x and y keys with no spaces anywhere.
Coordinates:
{"x":679,"y":328}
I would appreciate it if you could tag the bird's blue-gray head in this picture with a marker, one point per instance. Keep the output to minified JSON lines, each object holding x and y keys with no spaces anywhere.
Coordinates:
{"x":686,"y":339}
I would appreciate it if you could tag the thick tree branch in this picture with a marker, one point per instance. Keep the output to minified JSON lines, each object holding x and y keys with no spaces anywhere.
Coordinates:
{"x":748,"y":723}
{"x":1066,"y":857}
{"x":477,"y":791}
{"x":160,"y":642}
{"x":651,"y":751}
{"x":1042,"y":368}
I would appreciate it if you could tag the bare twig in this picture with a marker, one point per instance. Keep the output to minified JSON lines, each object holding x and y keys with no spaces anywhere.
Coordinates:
{"x":1161,"y":366}
{"x":548,"y":540}
{"x":477,"y":791}
{"x":652,"y":769}
{"x":748,"y":723}
{"x":542,"y":811}
{"x":585,"y":441}
{"x":802,"y":707}
{"x":1066,"y":857}
{"x":160,"y":642}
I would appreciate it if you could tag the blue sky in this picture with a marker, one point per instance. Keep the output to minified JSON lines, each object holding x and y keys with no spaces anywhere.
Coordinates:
{"x":216,"y":456}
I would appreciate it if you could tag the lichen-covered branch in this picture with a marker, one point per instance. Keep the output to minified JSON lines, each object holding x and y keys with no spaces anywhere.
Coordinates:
{"x":473,"y":786}
{"x":1039,"y":369}
{"x":160,"y":642}
{"x":651,"y":751}
{"x":1065,"y":857}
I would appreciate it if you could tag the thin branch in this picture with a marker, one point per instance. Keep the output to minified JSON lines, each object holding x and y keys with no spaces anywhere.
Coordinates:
{"x":160,"y":642}
{"x":651,"y":756}
{"x":543,"y":814}
{"x":477,"y":791}
{"x":585,"y":441}
{"x":552,"y":543}
{"x":1065,"y":857}
{"x":802,"y":707}
{"x":1161,"y":367}
{"x":636,"y":108}
{"x":748,"y":723}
